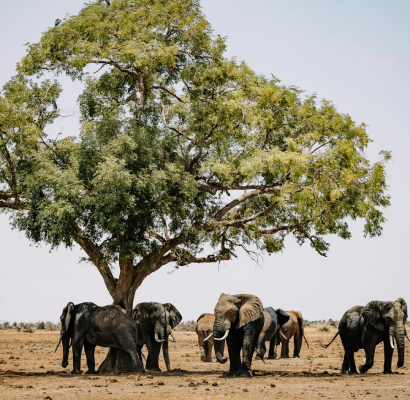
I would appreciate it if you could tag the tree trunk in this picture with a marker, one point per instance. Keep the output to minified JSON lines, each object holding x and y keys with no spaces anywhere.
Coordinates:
{"x":117,"y":361}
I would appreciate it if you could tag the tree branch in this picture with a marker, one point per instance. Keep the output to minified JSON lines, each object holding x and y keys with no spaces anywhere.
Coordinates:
{"x":242,"y":199}
{"x":168,"y":91}
{"x":311,"y":238}
{"x":239,"y":223}
{"x":94,"y":253}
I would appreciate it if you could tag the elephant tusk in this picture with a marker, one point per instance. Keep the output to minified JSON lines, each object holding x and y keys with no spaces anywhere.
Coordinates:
{"x":283,"y":336}
{"x":61,"y":338}
{"x":157,"y":339}
{"x":208,"y":337}
{"x":224,"y":336}
{"x":391,"y":341}
{"x":173,"y":338}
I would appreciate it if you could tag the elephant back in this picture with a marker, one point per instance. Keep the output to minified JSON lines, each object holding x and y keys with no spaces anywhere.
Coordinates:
{"x":205,"y":323}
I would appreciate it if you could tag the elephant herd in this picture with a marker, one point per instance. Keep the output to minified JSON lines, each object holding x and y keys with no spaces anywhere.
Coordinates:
{"x":246,"y":326}
{"x":240,"y":321}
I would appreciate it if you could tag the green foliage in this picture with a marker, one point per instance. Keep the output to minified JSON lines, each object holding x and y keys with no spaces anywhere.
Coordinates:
{"x":179,"y":146}
{"x":324,"y":329}
{"x":40,"y":325}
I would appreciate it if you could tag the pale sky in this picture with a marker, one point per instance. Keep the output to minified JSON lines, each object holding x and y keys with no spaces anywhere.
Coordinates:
{"x":353,"y":52}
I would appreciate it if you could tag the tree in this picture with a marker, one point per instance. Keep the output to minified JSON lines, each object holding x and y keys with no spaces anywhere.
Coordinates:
{"x":179,"y":148}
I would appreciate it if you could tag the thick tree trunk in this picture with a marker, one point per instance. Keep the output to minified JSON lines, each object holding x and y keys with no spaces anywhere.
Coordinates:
{"x":117,"y":361}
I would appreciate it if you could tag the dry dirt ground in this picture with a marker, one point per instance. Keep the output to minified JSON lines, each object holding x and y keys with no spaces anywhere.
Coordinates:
{"x":29,"y":369}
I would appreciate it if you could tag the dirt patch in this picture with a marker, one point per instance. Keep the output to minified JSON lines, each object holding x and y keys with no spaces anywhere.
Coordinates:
{"x":29,"y":369}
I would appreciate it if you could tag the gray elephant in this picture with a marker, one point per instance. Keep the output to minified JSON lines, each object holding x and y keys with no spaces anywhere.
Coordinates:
{"x":274,"y":320}
{"x":203,"y":328}
{"x":366,"y":327}
{"x":155,"y":322}
{"x":238,"y":319}
{"x":89,"y":325}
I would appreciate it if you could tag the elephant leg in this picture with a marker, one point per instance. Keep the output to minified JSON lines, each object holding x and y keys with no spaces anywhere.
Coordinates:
{"x":345,"y":364}
{"x":77,"y":346}
{"x":139,"y":352}
{"x":248,"y":347}
{"x":349,"y":354}
{"x":127,"y":344}
{"x":234,"y":355}
{"x":285,"y":349}
{"x":388,"y":355}
{"x":209,"y":349}
{"x":89,"y":349}
{"x":369,"y":348}
{"x":297,"y":344}
{"x":154,"y":349}
{"x":272,"y":353}
{"x":203,"y":346}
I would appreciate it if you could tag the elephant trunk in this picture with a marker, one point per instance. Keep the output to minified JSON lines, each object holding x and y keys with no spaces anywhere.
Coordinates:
{"x":260,"y":347}
{"x":166,"y":355}
{"x":218,"y":332}
{"x":219,"y":352}
{"x":399,"y":337}
{"x":66,"y":348}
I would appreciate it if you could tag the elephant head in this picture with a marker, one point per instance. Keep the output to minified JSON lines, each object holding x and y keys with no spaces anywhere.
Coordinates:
{"x":66,"y":331}
{"x":389,"y":317}
{"x":159,"y":319}
{"x":233,"y":312}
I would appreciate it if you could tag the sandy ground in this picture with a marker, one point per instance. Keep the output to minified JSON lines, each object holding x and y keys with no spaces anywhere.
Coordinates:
{"x":29,"y":369}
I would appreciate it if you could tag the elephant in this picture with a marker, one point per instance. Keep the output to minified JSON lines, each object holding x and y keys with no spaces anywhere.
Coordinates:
{"x":294,"y":327}
{"x":274,"y":320}
{"x":238,"y":319}
{"x":88,"y":325}
{"x":155,"y":322}
{"x":366,"y":327}
{"x":203,"y":328}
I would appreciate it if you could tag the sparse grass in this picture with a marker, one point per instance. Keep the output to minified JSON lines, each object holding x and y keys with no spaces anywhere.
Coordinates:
{"x":188,"y":326}
{"x":30,"y":326}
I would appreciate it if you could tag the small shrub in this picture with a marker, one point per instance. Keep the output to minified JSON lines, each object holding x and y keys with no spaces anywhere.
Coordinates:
{"x":49,"y":326}
{"x":6,"y":325}
{"x":188,"y":326}
{"x":40,"y":325}
{"x":324,"y":329}
{"x":28,"y":329}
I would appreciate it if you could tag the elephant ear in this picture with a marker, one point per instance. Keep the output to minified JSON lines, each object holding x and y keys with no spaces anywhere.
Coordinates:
{"x":372,"y":314}
{"x":251,"y":309}
{"x":66,"y":317}
{"x":141,"y":314}
{"x":403,"y":306}
{"x":174,"y":316}
{"x":283,"y":317}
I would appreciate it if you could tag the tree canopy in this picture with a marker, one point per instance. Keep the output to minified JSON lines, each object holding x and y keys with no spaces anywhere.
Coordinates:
{"x":179,"y":148}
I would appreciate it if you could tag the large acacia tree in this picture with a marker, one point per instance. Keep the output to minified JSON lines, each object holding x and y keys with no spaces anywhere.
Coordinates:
{"x":180,"y":148}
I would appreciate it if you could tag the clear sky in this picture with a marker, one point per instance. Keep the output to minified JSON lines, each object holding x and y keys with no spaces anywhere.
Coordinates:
{"x":355,"y":53}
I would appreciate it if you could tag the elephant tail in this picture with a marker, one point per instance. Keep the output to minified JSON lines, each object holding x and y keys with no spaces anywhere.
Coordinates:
{"x":325,"y":346}
{"x":301,"y":330}
{"x":304,"y":337}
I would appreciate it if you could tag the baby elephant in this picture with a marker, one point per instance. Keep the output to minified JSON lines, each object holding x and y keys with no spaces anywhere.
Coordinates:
{"x":89,"y":325}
